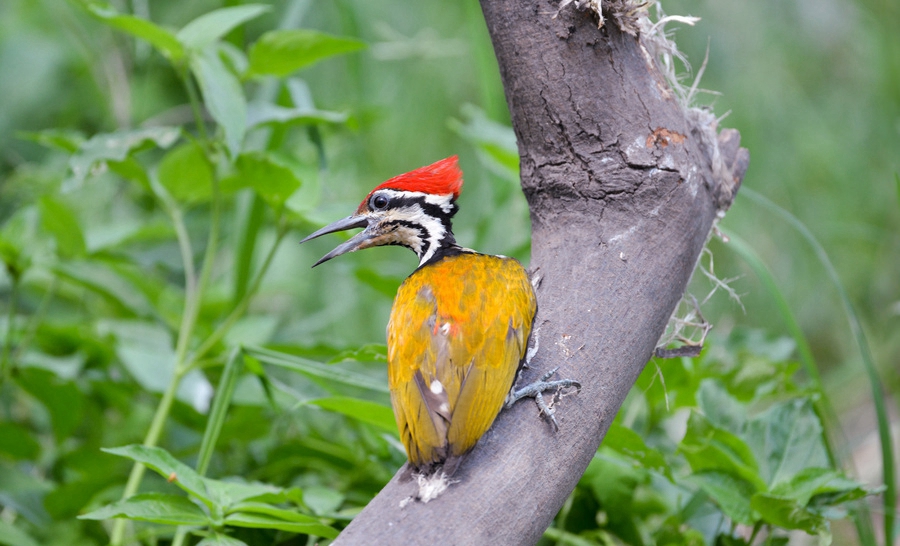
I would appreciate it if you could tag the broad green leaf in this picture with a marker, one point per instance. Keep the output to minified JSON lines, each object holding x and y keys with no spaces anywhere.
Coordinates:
{"x":274,"y":511}
{"x":167,"y":466}
{"x":361,"y":410}
{"x":10,"y":535}
{"x":785,"y":439}
{"x":730,"y":493}
{"x":270,"y":179}
{"x":147,"y":352}
{"x":155,"y":508}
{"x":17,"y":442}
{"x":281,"y":52}
{"x":720,"y":408}
{"x":828,"y":486}
{"x":262,"y":521}
{"x":315,"y":369}
{"x":223,"y":97}
{"x":117,"y":146}
{"x":630,"y":443}
{"x":62,"y":399}
{"x":186,"y":173}
{"x":218,"y":539}
{"x":229,"y":493}
{"x":787,"y":513}
{"x":131,"y":169}
{"x":209,"y":27}
{"x":266,"y":113}
{"x":63,"y":139}
{"x":709,"y":448}
{"x":158,"y":37}
{"x":23,"y":492}
{"x":62,"y":223}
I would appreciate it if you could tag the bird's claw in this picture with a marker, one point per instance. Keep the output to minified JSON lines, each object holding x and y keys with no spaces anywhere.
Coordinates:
{"x":536,"y":390}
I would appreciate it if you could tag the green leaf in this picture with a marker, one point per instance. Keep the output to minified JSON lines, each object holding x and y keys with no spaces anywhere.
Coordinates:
{"x":62,"y":399}
{"x":720,"y":408}
{"x":17,"y":442}
{"x":155,"y":508}
{"x":117,"y":146}
{"x":361,"y":410}
{"x":251,"y":213}
{"x":10,"y":535}
{"x":66,"y":140}
{"x":271,"y":180}
{"x":787,"y":513}
{"x":730,"y":493}
{"x":158,"y":37}
{"x":709,"y":448}
{"x":167,"y":466}
{"x":216,"y":419}
{"x":186,"y":173}
{"x":630,"y":443}
{"x":61,"y":222}
{"x":262,"y":521}
{"x":223,"y":97}
{"x":217,"y":539}
{"x":281,"y":52}
{"x":209,"y":27}
{"x":105,"y":282}
{"x":266,"y":113}
{"x":274,"y":511}
{"x":496,"y":142}
{"x":229,"y":493}
{"x":315,"y":369}
{"x":785,"y":439}
{"x":827,"y":486}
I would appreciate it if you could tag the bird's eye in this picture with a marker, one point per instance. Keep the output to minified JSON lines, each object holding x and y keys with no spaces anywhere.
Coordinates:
{"x":379,"y":202}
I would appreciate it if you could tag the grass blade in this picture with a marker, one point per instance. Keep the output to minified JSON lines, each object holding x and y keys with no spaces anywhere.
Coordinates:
{"x":884,"y":433}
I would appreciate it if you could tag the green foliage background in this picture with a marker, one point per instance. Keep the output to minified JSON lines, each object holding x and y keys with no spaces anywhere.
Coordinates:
{"x":299,"y":435}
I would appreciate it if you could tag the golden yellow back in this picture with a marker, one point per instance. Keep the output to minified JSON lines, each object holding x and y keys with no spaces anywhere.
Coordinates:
{"x":457,"y":333}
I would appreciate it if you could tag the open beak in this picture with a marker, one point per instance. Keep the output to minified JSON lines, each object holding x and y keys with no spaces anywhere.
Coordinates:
{"x":354,"y":243}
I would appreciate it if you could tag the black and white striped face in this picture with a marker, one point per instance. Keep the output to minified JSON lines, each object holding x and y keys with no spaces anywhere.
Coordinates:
{"x":416,"y":220}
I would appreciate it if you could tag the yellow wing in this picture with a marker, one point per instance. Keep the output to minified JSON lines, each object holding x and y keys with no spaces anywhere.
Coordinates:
{"x":457,"y":333}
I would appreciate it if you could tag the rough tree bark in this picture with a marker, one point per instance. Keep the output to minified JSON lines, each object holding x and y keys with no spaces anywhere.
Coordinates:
{"x":623,"y":185}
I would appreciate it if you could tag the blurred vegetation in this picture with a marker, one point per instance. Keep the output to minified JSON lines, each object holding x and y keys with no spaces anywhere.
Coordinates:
{"x":153,"y":291}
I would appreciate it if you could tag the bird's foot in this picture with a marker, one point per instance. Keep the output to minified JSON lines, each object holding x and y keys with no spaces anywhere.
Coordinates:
{"x":537,"y":389}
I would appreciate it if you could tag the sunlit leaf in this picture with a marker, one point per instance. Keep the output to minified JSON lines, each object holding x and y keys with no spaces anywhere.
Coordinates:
{"x":223,"y":97}
{"x":266,"y":113}
{"x":361,"y":410}
{"x":160,"y":38}
{"x":211,"y":26}
{"x":281,"y":52}
{"x":155,"y":508}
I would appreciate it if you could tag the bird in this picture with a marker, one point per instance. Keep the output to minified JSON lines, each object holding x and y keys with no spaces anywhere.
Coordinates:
{"x":460,"y":323}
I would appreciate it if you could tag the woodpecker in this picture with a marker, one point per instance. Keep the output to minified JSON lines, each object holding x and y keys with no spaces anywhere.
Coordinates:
{"x":460,"y":323}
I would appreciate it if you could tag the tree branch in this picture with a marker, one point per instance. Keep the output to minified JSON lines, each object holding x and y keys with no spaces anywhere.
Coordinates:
{"x":624,"y":185}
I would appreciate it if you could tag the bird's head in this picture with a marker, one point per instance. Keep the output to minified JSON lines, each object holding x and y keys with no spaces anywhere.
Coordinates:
{"x":412,"y":210}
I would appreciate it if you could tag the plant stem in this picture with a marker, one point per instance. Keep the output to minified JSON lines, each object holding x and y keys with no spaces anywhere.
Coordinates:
{"x":241,"y":307}
{"x":194,"y":99}
{"x":7,"y":342}
{"x":152,"y":437}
